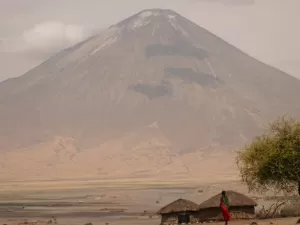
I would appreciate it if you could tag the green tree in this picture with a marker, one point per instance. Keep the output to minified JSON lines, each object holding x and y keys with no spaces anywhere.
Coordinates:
{"x":272,"y":160}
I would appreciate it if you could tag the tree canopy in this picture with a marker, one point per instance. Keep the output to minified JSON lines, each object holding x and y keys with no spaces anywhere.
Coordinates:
{"x":272,"y":160}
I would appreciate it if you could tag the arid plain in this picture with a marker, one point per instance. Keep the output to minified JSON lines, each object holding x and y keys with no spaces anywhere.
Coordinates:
{"x":106,"y":201}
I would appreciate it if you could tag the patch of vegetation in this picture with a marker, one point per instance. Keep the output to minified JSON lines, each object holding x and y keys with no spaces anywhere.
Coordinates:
{"x":272,"y":161}
{"x":151,"y":91}
{"x":190,"y":76}
{"x":179,"y":49}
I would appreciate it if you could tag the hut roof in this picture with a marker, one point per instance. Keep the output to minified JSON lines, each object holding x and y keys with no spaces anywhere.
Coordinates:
{"x":180,"y":205}
{"x":234,"y":198}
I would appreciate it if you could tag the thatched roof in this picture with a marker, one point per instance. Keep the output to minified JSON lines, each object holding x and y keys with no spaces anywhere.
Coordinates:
{"x":180,"y":205}
{"x":234,"y":198}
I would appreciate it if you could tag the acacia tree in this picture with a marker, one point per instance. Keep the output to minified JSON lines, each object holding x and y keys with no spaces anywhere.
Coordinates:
{"x":273,"y":159}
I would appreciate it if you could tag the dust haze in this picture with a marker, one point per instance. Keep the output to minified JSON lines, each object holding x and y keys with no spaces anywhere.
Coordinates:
{"x":111,"y":110}
{"x":257,"y":27}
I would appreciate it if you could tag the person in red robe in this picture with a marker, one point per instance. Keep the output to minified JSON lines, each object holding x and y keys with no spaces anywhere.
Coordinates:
{"x":224,"y":205}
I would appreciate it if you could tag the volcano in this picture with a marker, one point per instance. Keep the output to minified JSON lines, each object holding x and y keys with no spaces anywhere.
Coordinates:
{"x":155,"y":81}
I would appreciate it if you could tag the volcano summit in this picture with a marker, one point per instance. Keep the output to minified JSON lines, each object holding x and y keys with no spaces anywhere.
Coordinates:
{"x":155,"y":83}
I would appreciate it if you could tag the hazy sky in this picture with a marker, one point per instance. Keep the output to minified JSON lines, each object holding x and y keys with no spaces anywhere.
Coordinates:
{"x":32,"y":30}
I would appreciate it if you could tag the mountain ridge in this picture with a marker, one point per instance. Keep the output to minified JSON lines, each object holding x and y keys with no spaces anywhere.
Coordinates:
{"x":198,"y":94}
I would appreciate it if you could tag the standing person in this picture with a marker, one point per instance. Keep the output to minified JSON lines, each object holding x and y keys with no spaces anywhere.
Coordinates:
{"x":224,"y":204}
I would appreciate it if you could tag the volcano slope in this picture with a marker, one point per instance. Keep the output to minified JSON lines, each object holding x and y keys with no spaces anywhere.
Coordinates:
{"x":151,"y":89}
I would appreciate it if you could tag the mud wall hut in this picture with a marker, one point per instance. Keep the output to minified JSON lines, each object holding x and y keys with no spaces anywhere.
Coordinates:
{"x":240,"y":207}
{"x":179,"y":212}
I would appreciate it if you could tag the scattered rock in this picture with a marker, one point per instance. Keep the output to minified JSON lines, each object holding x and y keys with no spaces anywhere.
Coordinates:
{"x":88,"y":224}
{"x":49,"y":222}
{"x":253,"y":223}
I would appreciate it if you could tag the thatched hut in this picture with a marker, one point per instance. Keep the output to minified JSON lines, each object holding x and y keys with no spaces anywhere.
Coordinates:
{"x":179,"y":211}
{"x":241,"y":207}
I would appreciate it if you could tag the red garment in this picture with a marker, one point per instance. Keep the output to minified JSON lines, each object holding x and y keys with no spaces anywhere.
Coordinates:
{"x":226,"y":213}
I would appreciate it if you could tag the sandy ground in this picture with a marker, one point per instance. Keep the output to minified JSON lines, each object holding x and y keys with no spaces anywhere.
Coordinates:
{"x":79,"y":202}
{"x":139,"y":221}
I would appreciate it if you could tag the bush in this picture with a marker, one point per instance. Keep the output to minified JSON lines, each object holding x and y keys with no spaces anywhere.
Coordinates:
{"x":88,"y":224}
{"x":272,"y":211}
{"x":292,"y":209}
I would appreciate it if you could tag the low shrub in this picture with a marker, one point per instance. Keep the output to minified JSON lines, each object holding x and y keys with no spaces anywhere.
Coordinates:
{"x":291,"y":209}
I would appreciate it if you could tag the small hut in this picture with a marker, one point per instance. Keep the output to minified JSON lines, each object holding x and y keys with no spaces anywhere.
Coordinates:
{"x":181,"y":211}
{"x":240,"y":207}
